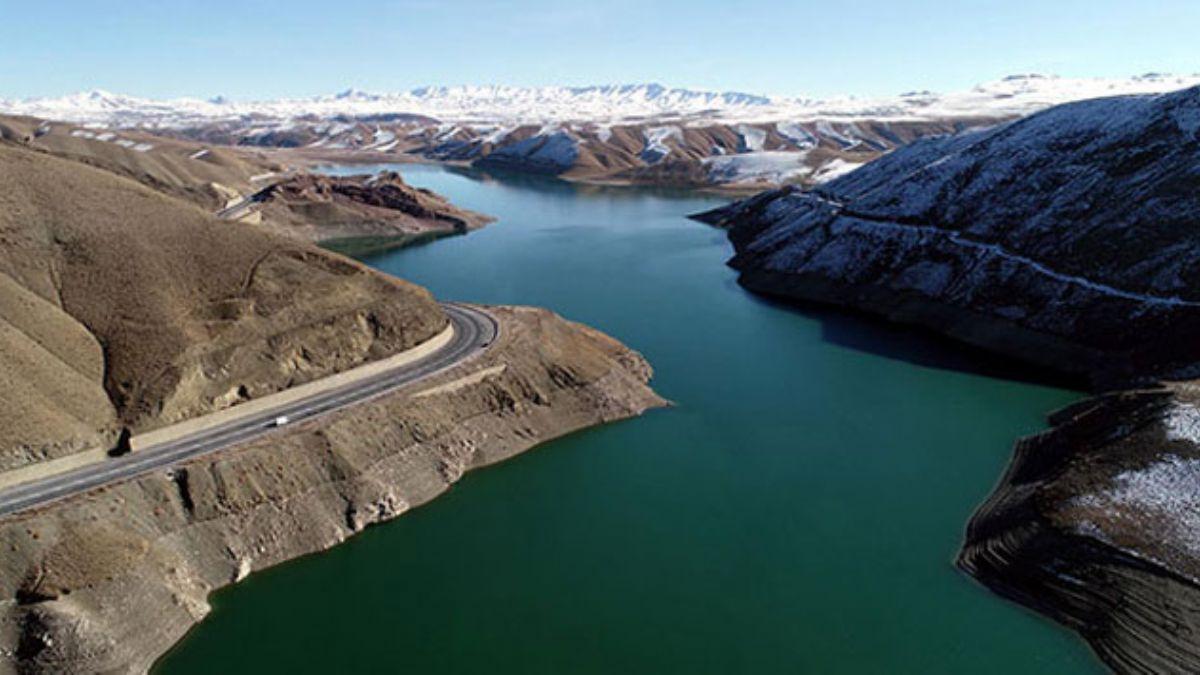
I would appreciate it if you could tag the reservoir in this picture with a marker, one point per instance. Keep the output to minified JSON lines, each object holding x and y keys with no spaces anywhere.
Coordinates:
{"x":796,"y":511}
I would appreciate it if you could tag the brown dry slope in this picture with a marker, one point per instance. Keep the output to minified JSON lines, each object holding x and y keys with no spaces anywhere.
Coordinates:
{"x":121,"y":306}
{"x":196,"y":172}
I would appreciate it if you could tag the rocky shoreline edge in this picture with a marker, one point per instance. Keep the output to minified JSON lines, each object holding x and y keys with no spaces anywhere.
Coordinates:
{"x":108,"y":581}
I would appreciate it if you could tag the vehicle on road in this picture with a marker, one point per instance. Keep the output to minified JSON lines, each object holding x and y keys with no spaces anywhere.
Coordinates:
{"x":280,"y":421}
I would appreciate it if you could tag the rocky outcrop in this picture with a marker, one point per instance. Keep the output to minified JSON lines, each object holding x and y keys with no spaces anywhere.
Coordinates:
{"x":375,"y":211}
{"x":1097,"y":524}
{"x":107,"y":581}
{"x":1065,"y":238}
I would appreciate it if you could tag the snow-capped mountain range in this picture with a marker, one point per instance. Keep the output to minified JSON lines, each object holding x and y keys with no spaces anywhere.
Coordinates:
{"x":1016,"y":95}
{"x":640,"y":134}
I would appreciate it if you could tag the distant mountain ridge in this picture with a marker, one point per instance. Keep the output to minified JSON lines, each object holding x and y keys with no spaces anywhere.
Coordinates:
{"x":1015,"y":95}
{"x":645,"y":134}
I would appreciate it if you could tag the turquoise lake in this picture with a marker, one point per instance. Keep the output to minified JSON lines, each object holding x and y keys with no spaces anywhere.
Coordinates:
{"x":797,"y":511}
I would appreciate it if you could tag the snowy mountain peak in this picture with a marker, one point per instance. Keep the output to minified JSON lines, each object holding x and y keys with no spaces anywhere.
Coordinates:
{"x":603,"y":104}
{"x":353,"y":94}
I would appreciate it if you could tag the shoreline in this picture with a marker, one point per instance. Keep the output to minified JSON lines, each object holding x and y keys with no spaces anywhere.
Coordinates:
{"x":218,"y":518}
{"x":312,"y":161}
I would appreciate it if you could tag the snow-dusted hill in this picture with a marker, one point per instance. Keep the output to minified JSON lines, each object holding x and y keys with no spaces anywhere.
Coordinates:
{"x":1067,"y":238}
{"x":1017,"y":95}
{"x":626,"y":133}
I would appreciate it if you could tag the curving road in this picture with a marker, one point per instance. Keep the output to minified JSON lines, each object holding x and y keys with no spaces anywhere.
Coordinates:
{"x":240,"y":207}
{"x":474,"y":331}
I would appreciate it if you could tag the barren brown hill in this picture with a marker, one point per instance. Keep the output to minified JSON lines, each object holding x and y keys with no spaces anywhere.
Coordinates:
{"x":356,"y":213}
{"x":120,"y":306}
{"x":203,"y":174}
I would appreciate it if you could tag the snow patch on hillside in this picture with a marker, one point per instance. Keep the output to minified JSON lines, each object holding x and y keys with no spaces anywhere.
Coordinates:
{"x":1163,"y":493}
{"x":555,"y":149}
{"x":797,"y":134}
{"x":755,"y":167}
{"x":656,"y":143}
{"x":1183,"y":423}
{"x":774,"y":167}
{"x":752,"y":138}
{"x":834,"y":168}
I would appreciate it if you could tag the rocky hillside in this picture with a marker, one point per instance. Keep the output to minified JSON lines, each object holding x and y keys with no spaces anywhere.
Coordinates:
{"x":1097,"y":524}
{"x":1066,"y":239}
{"x":124,"y":307}
{"x":367,"y":211}
{"x":108,"y":581}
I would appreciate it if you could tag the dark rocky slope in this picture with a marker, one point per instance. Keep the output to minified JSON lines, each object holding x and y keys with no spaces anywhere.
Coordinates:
{"x":1068,"y":239}
{"x":1097,"y":524}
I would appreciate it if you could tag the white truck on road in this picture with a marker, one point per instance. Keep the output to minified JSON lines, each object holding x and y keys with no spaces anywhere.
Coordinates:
{"x":280,"y":421}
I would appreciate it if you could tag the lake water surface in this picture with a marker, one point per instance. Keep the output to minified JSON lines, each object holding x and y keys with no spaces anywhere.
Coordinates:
{"x":798,"y":511}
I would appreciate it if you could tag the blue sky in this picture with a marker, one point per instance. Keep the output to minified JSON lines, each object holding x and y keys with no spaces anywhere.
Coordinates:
{"x":259,"y":49}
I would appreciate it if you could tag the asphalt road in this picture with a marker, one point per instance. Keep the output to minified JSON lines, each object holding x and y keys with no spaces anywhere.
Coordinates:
{"x":238,"y":209}
{"x":242,"y":206}
{"x":474,"y":332}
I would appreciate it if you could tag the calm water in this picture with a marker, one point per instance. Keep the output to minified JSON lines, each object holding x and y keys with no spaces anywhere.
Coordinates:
{"x":798,"y":510}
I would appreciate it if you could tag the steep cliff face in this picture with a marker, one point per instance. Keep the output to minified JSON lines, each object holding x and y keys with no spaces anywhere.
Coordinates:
{"x":1097,"y":524}
{"x":107,"y":581}
{"x":1066,"y":238}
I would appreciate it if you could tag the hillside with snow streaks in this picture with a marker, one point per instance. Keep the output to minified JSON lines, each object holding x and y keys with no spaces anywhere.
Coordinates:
{"x":637,"y":134}
{"x":1066,"y":238}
